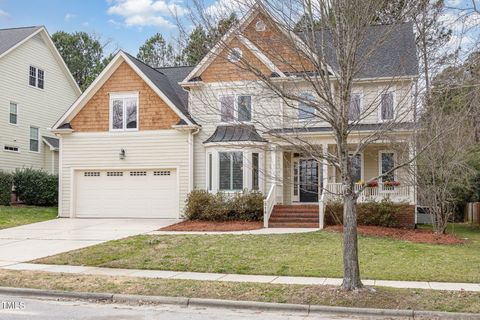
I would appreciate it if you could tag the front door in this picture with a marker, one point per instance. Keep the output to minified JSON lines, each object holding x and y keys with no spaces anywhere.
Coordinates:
{"x":308,"y":182}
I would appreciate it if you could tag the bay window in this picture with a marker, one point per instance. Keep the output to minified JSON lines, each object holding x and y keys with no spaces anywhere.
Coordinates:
{"x":232,"y":170}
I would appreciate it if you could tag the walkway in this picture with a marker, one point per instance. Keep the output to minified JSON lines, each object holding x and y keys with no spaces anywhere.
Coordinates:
{"x":235,"y":277}
{"x":38,"y":240}
{"x":256,"y":231}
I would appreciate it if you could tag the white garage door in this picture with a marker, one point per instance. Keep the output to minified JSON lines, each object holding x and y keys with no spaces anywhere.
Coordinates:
{"x":126,"y":194}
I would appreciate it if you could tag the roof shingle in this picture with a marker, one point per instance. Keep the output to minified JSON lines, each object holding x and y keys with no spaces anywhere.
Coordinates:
{"x":11,"y":37}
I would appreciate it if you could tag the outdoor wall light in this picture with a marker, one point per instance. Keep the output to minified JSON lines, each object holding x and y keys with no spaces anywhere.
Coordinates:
{"x":122,"y":154}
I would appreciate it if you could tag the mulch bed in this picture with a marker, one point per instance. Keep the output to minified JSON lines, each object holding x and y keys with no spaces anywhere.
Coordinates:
{"x":198,"y":225}
{"x":413,"y":235}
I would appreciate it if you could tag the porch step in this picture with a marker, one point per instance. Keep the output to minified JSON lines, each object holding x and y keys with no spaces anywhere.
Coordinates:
{"x":294,"y":216}
{"x":293,"y":225}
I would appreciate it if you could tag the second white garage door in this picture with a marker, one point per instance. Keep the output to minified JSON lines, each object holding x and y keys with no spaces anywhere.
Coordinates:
{"x":126,"y":194}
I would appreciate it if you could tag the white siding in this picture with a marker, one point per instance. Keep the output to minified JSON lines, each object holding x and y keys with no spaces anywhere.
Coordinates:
{"x":144,"y":149}
{"x":36,"y":107}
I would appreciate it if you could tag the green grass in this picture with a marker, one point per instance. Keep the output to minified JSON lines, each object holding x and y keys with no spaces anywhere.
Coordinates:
{"x":307,"y":254}
{"x":385,"y":298}
{"x":17,"y":216}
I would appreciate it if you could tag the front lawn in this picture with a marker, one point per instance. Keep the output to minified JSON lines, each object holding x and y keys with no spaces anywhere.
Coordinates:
{"x":17,"y":216}
{"x":385,"y":298}
{"x":307,"y":254}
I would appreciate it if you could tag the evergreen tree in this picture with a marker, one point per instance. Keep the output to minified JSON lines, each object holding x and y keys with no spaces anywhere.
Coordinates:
{"x":156,"y":52}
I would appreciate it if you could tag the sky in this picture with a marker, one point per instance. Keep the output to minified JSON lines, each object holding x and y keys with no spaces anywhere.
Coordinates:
{"x":126,"y":24}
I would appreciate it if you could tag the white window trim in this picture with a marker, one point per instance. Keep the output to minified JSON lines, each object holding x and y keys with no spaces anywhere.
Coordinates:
{"x":123,"y":95}
{"x":359,"y":92}
{"x":362,"y":165}
{"x":380,"y":162}
{"x":18,"y":111}
{"x":30,"y":138}
{"x":235,"y":109}
{"x":247,"y":169}
{"x":393,"y":91}
{"x":36,"y":77}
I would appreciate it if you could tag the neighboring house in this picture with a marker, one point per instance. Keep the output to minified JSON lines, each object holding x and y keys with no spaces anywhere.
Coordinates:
{"x":36,"y":88}
{"x":140,"y":139}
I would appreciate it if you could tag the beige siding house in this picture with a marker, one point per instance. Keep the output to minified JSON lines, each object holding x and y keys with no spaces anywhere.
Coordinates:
{"x":135,"y":145}
{"x":36,"y":88}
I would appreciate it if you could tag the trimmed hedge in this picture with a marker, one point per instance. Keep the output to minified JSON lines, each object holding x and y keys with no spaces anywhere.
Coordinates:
{"x":244,"y":206}
{"x":382,"y":214}
{"x":36,"y":187}
{"x":6,"y":182}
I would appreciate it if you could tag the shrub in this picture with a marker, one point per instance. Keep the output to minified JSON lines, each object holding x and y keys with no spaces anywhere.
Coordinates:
{"x":6,"y":182}
{"x":203,"y":205}
{"x":36,"y":187}
{"x":372,"y":213}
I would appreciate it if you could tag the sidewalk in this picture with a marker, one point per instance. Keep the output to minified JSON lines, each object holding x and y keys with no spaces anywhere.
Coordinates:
{"x":234,"y":277}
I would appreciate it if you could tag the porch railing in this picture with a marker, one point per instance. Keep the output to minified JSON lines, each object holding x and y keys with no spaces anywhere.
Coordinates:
{"x":268,"y":204}
{"x":399,"y":193}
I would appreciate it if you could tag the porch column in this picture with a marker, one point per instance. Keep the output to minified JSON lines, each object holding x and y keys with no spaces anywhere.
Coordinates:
{"x":273,"y":166}
{"x":413,"y":188}
{"x":322,"y":198}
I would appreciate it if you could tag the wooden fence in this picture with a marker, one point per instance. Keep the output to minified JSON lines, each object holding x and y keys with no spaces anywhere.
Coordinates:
{"x":472,"y":212}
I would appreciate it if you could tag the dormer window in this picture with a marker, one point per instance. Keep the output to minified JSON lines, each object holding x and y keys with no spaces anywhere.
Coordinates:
{"x":36,"y":77}
{"x":235,"y":55}
{"x":260,"y":26}
{"x":124,"y":112}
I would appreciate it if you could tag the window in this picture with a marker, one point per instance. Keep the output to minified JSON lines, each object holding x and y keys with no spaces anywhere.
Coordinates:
{"x":227,"y":108}
{"x":356,"y":167}
{"x":40,"y":78}
{"x":244,"y":108}
{"x":355,"y":107}
{"x":10,"y":148}
{"x":36,"y":77}
{"x":387,"y":163}
{"x":162,"y":173}
{"x":32,"y":80}
{"x":387,"y":106}
{"x":235,"y":55}
{"x":230,"y":171}
{"x":34,"y":146}
{"x":255,"y":171}
{"x":138,"y":173}
{"x":124,"y":112}
{"x":306,"y":111}
{"x":91,"y":174}
{"x":13,"y":115}
{"x":115,"y":174}
{"x":235,"y":108}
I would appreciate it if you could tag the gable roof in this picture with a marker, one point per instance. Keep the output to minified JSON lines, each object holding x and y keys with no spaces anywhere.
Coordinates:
{"x":12,"y":38}
{"x":53,"y":143}
{"x":391,"y":51}
{"x":394,"y":53}
{"x":176,"y":75}
{"x":9,"y":38}
{"x":156,"y":80}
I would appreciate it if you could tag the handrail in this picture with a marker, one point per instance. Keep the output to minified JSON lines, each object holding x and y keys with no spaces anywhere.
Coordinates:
{"x":402,"y":192}
{"x":268,"y":204}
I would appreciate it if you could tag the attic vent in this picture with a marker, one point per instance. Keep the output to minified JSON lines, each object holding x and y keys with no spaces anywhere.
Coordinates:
{"x":235,"y":55}
{"x":260,"y":26}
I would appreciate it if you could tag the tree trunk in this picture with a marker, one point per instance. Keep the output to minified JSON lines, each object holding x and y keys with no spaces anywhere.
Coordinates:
{"x":351,"y":269}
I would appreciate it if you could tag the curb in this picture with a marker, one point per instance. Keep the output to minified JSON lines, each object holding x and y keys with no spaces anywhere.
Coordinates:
{"x":246,"y":305}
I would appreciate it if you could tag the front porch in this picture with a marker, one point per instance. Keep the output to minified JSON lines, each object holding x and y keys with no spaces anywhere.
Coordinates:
{"x":299,"y":179}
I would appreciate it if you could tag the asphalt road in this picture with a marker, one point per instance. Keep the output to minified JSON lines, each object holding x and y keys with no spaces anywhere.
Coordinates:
{"x":16,"y":308}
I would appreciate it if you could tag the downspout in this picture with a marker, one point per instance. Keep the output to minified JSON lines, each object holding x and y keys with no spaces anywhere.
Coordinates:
{"x":191,"y":146}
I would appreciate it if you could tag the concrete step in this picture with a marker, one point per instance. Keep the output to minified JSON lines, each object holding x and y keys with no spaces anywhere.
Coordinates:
{"x":293,"y":219}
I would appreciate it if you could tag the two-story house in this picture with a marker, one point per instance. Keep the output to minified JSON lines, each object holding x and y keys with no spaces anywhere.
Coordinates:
{"x":140,"y":139}
{"x":36,"y":88}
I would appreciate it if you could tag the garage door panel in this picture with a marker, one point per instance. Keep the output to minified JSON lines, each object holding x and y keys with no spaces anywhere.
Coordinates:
{"x":125,"y":193}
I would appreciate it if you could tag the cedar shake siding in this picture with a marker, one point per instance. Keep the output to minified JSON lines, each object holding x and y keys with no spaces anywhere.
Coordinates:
{"x":222,"y":70}
{"x":154,"y":113}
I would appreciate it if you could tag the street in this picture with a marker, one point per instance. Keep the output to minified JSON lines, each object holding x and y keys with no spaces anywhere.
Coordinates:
{"x":16,"y":308}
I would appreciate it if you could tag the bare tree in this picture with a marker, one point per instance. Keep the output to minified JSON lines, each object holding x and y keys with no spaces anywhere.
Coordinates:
{"x":328,"y":58}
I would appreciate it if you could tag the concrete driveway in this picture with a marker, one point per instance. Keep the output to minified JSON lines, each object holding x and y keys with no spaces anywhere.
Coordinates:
{"x":38,"y":240}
